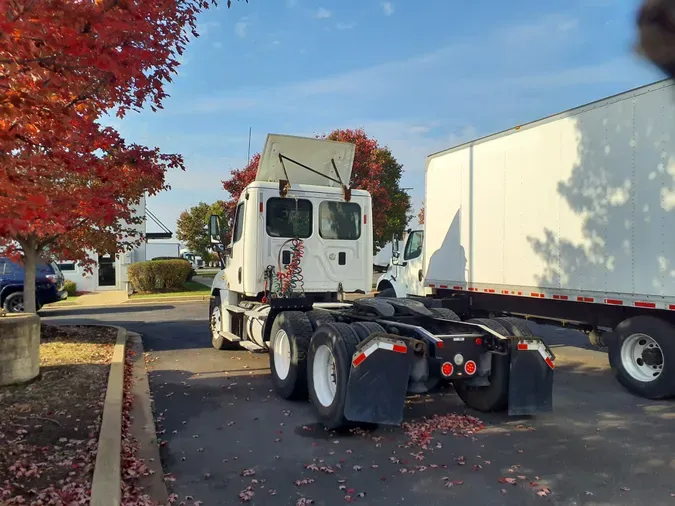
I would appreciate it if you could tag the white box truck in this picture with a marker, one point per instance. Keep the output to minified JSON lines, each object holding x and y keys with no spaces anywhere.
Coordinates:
{"x":161,"y":249}
{"x":301,"y":239}
{"x":571,"y":219}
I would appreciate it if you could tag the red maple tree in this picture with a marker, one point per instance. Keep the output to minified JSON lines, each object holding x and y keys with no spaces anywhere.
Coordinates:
{"x":68,"y":183}
{"x":374,"y":170}
{"x":420,"y":216}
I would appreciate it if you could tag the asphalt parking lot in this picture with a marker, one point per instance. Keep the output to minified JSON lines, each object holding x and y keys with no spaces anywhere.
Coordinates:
{"x":227,"y":438}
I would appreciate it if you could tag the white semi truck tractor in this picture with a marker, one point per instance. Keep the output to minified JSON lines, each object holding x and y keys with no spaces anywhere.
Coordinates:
{"x":567,"y":220}
{"x":301,"y":239}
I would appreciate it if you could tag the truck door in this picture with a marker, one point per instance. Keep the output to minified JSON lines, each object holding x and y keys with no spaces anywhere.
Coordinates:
{"x":411,"y":274}
{"x":234,"y":270}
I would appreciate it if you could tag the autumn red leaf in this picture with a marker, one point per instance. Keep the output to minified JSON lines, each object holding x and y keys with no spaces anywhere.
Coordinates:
{"x":68,"y":183}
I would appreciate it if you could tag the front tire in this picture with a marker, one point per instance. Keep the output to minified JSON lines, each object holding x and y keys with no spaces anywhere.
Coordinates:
{"x":218,"y":341}
{"x":642,"y":356}
{"x":387,"y":292}
{"x":289,"y":341}
{"x":329,"y":365}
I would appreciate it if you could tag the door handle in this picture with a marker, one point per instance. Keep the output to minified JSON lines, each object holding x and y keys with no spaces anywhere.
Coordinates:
{"x":239,"y":274}
{"x":420,"y":276}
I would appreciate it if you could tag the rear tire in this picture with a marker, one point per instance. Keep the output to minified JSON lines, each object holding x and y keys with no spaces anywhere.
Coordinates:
{"x":364,"y":329}
{"x":289,"y":341}
{"x":329,"y":363}
{"x":492,"y":324}
{"x":515,"y":326}
{"x":14,"y":303}
{"x":445,"y":313}
{"x":318,"y":317}
{"x":495,"y":396}
{"x":635,"y":350}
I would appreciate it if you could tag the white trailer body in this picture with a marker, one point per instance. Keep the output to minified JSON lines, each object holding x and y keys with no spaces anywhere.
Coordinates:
{"x":568,"y":219}
{"x":578,"y":206}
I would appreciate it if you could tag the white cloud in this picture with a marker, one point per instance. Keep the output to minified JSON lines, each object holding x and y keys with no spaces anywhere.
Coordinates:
{"x":241,"y":27}
{"x":345,"y":26}
{"x":387,"y":8}
{"x":322,"y":13}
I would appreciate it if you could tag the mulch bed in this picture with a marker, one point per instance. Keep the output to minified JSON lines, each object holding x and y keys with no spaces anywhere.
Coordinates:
{"x":49,"y":427}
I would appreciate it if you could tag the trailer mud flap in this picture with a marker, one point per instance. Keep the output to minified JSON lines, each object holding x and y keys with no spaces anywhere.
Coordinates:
{"x":378,"y":381}
{"x":531,"y":377}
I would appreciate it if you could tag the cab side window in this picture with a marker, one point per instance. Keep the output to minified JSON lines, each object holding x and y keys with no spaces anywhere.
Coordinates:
{"x":413,"y":247}
{"x":238,"y":223}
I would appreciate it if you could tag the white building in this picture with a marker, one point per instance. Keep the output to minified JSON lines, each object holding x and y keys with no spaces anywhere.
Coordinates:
{"x":110,"y":272}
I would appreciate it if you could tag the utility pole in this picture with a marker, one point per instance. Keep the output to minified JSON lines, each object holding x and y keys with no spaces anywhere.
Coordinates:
{"x":248,"y":158}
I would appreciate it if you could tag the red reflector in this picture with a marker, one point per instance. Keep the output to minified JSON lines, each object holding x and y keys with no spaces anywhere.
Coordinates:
{"x":470,"y":367}
{"x":440,"y":344}
{"x":650,"y":305}
{"x":365,"y":219}
{"x":261,"y":207}
{"x":550,"y":363}
{"x":359,"y":359}
{"x":457,"y":288}
{"x":446,"y":369}
{"x":522,"y":347}
{"x":478,"y":341}
{"x":443,"y":286}
{"x":615,"y":302}
{"x":431,"y":285}
{"x":400,"y":348}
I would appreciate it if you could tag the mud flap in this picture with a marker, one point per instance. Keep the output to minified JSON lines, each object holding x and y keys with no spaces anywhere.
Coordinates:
{"x":378,"y":381}
{"x":531,"y":377}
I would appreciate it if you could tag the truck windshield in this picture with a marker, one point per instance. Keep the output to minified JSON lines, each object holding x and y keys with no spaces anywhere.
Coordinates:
{"x":289,"y":218}
{"x":340,"y":220}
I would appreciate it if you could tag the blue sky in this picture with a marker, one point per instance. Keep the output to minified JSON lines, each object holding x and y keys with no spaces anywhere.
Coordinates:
{"x":420,"y":76}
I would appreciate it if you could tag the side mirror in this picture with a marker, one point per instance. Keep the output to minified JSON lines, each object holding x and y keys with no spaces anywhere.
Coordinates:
{"x":227,"y":251}
{"x":215,"y":229}
{"x":395,"y":253}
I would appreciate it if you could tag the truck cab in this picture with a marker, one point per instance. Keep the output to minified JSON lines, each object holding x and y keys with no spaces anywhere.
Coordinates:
{"x":297,"y":229}
{"x":405,"y":274}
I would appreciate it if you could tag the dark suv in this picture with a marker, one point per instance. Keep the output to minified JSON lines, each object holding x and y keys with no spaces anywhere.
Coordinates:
{"x":50,"y":285}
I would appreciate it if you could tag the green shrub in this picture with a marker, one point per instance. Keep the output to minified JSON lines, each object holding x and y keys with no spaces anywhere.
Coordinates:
{"x":159,"y":275}
{"x":70,"y":287}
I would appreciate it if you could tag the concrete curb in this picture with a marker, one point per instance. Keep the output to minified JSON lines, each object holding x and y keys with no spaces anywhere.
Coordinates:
{"x":106,"y":485}
{"x":143,"y":425}
{"x":139,"y":302}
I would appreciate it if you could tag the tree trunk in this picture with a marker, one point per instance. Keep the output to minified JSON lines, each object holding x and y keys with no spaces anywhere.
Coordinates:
{"x":30,"y":256}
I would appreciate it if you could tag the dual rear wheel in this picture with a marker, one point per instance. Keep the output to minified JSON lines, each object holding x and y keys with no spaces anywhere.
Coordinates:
{"x":311,"y":355}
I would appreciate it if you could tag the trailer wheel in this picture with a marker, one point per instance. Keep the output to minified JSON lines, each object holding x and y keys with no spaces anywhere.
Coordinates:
{"x":515,"y":326}
{"x":329,"y":363}
{"x":495,"y":396}
{"x":364,"y":329}
{"x":218,"y":341}
{"x":445,"y":313}
{"x":318,"y":317}
{"x":289,"y":341}
{"x":642,"y":356}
